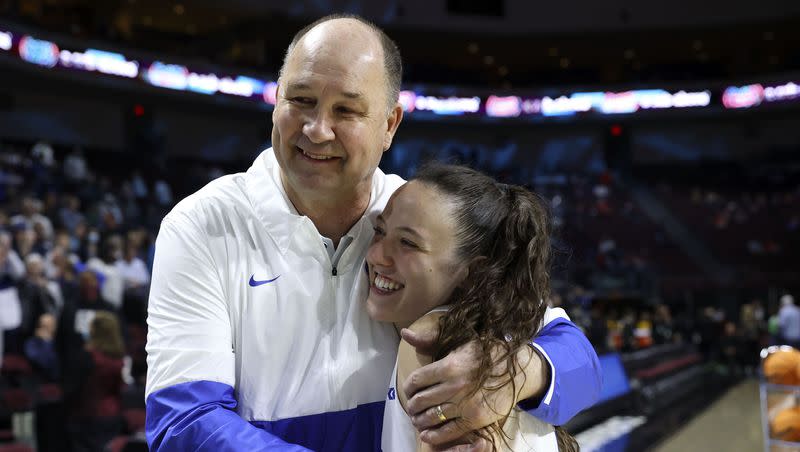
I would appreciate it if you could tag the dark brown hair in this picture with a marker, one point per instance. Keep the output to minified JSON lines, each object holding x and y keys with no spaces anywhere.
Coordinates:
{"x":392,"y":63}
{"x":105,"y":335}
{"x":503,"y":233}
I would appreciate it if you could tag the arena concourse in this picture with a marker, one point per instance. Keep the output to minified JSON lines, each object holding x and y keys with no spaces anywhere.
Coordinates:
{"x":664,"y":138}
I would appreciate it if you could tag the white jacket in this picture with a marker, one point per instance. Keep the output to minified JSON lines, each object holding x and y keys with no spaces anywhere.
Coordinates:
{"x":292,"y":347}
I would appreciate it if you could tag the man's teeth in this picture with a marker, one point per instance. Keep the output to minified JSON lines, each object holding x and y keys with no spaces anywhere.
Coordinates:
{"x":385,"y":284}
{"x":316,"y":157}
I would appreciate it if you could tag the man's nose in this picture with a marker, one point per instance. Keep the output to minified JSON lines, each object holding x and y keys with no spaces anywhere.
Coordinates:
{"x":318,"y":127}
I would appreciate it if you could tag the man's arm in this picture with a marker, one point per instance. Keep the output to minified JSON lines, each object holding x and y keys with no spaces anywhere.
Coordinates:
{"x":574,"y":382}
{"x":575,"y":377}
{"x":190,"y":399}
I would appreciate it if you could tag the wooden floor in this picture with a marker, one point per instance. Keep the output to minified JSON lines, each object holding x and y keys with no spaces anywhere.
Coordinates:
{"x":731,"y":424}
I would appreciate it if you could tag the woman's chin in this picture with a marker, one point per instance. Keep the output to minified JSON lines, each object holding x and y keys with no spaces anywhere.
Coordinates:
{"x":378,"y":313}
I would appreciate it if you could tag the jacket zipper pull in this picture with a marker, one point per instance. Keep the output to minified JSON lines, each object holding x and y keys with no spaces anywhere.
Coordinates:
{"x":333,"y":271}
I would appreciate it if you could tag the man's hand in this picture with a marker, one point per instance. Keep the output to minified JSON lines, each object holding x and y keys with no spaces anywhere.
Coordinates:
{"x":447,"y":383}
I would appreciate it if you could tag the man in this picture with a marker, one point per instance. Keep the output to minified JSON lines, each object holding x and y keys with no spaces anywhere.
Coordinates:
{"x":258,"y":284}
{"x":789,"y":321}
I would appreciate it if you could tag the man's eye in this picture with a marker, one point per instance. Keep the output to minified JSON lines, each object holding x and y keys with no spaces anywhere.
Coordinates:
{"x":301,"y":100}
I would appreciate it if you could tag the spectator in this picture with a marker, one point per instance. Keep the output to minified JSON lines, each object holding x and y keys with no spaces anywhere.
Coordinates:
{"x":70,"y":214}
{"x":132,"y":269}
{"x":75,"y":169}
{"x":40,"y":349}
{"x":94,"y":403}
{"x":113,"y":287}
{"x":31,"y":215}
{"x":789,"y":321}
{"x":731,"y":349}
{"x":663,"y":325}
{"x":38,"y":295}
{"x":26,"y":241}
{"x":139,"y":186}
{"x":163,"y":193}
{"x":12,"y":269}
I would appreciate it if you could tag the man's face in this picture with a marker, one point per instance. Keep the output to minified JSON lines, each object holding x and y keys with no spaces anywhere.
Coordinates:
{"x":331,"y":123}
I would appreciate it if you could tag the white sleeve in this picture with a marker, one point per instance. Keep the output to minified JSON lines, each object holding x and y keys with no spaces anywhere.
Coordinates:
{"x":189,"y":337}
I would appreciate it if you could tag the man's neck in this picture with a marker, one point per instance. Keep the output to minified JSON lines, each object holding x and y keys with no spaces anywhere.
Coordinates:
{"x":332,"y":217}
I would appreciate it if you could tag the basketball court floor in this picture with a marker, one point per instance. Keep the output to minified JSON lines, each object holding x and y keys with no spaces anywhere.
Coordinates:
{"x":730,"y":424}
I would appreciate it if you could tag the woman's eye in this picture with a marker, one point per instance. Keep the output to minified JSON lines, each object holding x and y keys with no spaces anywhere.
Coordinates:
{"x":408,"y":243}
{"x":378,"y":230}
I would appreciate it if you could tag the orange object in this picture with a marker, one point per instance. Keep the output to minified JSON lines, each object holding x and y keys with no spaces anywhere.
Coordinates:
{"x":786,"y":425}
{"x":781,"y":367}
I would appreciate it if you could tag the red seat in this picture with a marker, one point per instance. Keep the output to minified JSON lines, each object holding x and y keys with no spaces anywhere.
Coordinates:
{"x":16,"y":364}
{"x":6,"y":436}
{"x":16,"y":447}
{"x":134,"y":419}
{"x":50,"y":392}
{"x":16,"y":400}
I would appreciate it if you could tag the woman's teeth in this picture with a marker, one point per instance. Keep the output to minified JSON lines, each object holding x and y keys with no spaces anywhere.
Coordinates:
{"x":386,"y":284}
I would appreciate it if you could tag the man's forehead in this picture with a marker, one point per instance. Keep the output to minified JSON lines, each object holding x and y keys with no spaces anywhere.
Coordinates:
{"x":341,"y":42}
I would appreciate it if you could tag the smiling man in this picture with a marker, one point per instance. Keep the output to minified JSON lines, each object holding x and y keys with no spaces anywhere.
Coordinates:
{"x":258,"y":335}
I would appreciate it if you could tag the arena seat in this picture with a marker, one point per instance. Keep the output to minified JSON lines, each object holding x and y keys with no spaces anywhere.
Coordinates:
{"x":16,"y":447}
{"x":134,"y":419}
{"x":16,"y":365}
{"x":17,"y":400}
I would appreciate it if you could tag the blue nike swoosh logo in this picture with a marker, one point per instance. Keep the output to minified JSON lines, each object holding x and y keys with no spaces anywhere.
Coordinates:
{"x":254,"y":283}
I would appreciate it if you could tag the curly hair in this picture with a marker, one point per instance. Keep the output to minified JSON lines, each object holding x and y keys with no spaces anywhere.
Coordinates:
{"x":503,"y":232}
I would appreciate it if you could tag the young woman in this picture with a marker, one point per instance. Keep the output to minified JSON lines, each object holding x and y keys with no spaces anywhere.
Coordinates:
{"x":94,"y":412}
{"x":456,"y":249}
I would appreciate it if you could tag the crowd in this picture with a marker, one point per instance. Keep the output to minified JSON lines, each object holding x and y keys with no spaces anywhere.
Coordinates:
{"x":75,"y":256}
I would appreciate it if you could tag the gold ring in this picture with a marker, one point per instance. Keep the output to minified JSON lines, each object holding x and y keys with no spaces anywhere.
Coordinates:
{"x":439,"y":413}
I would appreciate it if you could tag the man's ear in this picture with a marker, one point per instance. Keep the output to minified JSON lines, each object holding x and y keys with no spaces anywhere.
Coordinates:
{"x":392,"y":122}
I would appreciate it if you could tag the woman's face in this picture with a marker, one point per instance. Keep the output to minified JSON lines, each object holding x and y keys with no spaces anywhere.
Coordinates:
{"x":412,"y":259}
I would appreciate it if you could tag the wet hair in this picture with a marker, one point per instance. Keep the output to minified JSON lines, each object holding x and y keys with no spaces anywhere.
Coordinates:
{"x":503,"y":235}
{"x":392,"y":63}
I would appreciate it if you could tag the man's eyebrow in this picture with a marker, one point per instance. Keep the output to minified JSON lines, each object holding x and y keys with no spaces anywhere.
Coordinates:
{"x":301,"y":86}
{"x":352,"y":95}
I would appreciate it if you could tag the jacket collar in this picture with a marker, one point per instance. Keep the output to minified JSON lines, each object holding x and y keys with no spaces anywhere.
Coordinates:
{"x":269,"y":201}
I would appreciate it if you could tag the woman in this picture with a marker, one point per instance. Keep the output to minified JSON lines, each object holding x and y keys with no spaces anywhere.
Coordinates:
{"x":455,"y":248}
{"x":94,"y":411}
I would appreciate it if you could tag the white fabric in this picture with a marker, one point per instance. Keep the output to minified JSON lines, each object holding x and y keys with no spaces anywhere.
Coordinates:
{"x":113,"y":288}
{"x":134,"y":272}
{"x":14,"y":266}
{"x":301,"y":344}
{"x":526,"y":432}
{"x":10,"y":309}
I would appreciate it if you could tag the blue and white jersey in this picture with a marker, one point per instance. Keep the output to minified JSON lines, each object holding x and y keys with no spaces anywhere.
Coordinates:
{"x":237,"y":300}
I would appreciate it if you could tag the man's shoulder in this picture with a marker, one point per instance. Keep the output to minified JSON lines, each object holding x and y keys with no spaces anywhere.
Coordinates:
{"x":216,"y":199}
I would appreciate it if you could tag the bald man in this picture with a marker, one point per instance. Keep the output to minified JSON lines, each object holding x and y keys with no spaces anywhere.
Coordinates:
{"x":258,"y":336}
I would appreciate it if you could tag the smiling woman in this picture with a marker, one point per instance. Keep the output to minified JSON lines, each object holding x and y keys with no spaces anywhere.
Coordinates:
{"x":455,"y":249}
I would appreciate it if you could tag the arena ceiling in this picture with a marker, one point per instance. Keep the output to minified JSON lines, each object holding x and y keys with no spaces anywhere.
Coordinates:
{"x":522,"y":43}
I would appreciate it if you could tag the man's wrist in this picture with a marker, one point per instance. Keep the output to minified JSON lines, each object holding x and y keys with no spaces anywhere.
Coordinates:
{"x":536,"y":371}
